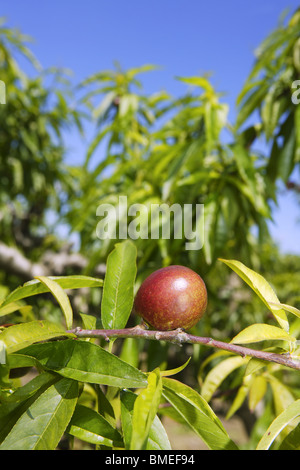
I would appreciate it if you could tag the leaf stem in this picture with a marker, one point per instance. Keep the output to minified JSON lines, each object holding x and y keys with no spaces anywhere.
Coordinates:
{"x":180,"y":337}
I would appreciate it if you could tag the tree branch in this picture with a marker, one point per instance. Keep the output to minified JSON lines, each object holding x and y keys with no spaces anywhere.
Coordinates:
{"x":51,"y":263}
{"x":179,"y":337}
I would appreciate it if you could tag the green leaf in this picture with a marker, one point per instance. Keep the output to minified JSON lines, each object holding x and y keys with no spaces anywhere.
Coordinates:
{"x":261,"y":332}
{"x":130,"y":351}
{"x":210,"y":214}
{"x":13,"y":307}
{"x":167,"y":373}
{"x":196,"y":412}
{"x":117,"y":299}
{"x":35,"y":286}
{"x":282,"y":396}
{"x":61,"y":298}
{"x":157,"y":439}
{"x":16,"y":361}
{"x":198,"y":81}
{"x":144,"y":411}
{"x":86,"y":362}
{"x":43,"y":423}
{"x":292,"y":440}
{"x":279,"y":423}
{"x":257,"y":391}
{"x":254,"y":365}
{"x":261,"y":287}
{"x":240,"y":396}
{"x":250,"y":103}
{"x":127,"y":403}
{"x":18,"y":402}
{"x":19,"y":336}
{"x":286,"y":307}
{"x":88,"y":425}
{"x":218,"y":374}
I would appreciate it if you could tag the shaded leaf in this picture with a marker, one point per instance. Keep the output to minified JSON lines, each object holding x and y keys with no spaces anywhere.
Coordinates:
{"x":218,"y":374}
{"x":257,"y":391}
{"x":88,"y":425}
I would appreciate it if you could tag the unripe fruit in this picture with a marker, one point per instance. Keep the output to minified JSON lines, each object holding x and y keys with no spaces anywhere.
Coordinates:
{"x":171,"y":297}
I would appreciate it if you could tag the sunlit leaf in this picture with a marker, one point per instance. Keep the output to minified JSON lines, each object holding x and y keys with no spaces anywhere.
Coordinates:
{"x":279,"y":423}
{"x":157,"y":438}
{"x":261,"y":332}
{"x":61,"y":298}
{"x":35,"y":286}
{"x":144,"y":411}
{"x":42,"y":425}
{"x":257,"y":391}
{"x":19,"y":336}
{"x":261,"y":287}
{"x":197,"y":414}
{"x":218,"y":374}
{"x":117,"y":299}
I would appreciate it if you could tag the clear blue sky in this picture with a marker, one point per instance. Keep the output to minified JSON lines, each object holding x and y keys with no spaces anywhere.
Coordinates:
{"x":187,"y":37}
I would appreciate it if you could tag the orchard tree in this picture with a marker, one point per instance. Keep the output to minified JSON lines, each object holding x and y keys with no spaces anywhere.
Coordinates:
{"x":99,"y":373}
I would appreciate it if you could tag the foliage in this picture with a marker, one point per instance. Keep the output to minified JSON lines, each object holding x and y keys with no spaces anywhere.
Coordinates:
{"x":33,"y":177}
{"x":160,"y":150}
{"x":154,"y":149}
{"x":89,"y":390}
{"x":268,"y":90}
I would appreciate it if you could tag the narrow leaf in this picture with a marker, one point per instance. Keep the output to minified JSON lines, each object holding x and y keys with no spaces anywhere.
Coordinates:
{"x":18,"y":402}
{"x":117,"y":299}
{"x":279,"y":423}
{"x":88,"y":425}
{"x":257,"y":391}
{"x":261,"y":332}
{"x":167,"y":373}
{"x":35,"y":286}
{"x":219,"y":373}
{"x":196,"y":412}
{"x":19,"y":336}
{"x":157,"y":439}
{"x":61,"y":298}
{"x":86,"y":362}
{"x":292,"y":440}
{"x":144,"y":411}
{"x":286,"y":307}
{"x":42,"y":425}
{"x":261,"y":287}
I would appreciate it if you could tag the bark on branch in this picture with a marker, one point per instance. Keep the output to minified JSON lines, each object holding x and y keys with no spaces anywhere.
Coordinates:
{"x":14,"y":262}
{"x":179,"y":337}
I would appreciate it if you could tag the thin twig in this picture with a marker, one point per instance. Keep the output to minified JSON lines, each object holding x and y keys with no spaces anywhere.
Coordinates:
{"x":180,"y":337}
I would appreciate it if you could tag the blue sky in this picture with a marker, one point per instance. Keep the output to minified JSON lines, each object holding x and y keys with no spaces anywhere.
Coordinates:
{"x":189,"y":37}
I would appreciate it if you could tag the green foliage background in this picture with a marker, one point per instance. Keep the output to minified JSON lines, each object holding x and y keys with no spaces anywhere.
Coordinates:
{"x":156,"y":149}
